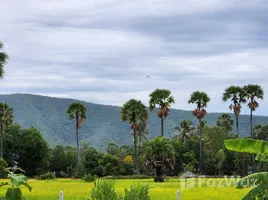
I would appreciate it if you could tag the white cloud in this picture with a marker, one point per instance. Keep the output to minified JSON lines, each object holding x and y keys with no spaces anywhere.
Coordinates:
{"x":101,"y":51}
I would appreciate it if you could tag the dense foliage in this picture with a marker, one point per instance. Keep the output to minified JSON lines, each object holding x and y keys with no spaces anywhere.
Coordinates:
{"x":49,"y":116}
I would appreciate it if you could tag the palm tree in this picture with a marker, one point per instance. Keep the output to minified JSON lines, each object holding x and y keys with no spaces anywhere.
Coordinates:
{"x":200,"y":99}
{"x":185,"y":129}
{"x":142,"y":133}
{"x":226,"y":122}
{"x":3,"y":60}
{"x":237,"y":96}
{"x":77,"y":111}
{"x":6,"y":119}
{"x":135,"y":113}
{"x":163,"y":99}
{"x":253,"y":92}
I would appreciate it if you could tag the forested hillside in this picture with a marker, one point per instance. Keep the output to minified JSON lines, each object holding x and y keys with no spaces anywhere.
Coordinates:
{"x":102,"y":124}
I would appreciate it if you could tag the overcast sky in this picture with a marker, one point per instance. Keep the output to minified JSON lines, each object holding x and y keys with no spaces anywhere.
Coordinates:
{"x":101,"y":50}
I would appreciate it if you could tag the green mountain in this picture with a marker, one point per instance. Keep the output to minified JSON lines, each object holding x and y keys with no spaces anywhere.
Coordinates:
{"x":102,"y":124}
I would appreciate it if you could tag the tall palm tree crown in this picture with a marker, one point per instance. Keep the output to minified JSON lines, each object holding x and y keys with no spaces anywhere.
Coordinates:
{"x":6,"y":119}
{"x":136,"y":114}
{"x":163,"y":99}
{"x":253,"y":92}
{"x":237,"y":96}
{"x":200,"y":99}
{"x":3,"y":60}
{"x":77,"y":111}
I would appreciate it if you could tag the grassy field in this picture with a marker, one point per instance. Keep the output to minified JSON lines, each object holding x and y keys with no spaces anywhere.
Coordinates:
{"x":208,"y":189}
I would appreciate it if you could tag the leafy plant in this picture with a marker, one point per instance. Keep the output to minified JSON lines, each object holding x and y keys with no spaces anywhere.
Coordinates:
{"x":257,"y":180}
{"x":47,"y":176}
{"x":14,"y":192}
{"x":88,"y":178}
{"x":104,"y":190}
{"x":137,"y":192}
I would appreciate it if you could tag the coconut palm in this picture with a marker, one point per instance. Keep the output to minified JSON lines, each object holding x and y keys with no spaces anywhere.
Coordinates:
{"x":253,"y":92}
{"x":135,"y":113}
{"x":186,"y":128}
{"x":3,"y":60}
{"x":163,"y":99}
{"x":6,"y":119}
{"x":142,"y":133}
{"x":200,"y":99}
{"x":77,"y":111}
{"x":226,"y":122}
{"x":237,"y":97}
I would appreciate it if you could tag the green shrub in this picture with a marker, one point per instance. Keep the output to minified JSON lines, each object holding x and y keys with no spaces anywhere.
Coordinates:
{"x":138,"y":192}
{"x":104,"y":190}
{"x":47,"y":176}
{"x":3,"y":170}
{"x":88,"y":178}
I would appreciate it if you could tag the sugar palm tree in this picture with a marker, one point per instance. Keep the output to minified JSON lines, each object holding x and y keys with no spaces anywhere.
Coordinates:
{"x":163,"y":99}
{"x":200,"y":99}
{"x":135,"y":113}
{"x":6,"y":119}
{"x":225,"y":121}
{"x":3,"y":60}
{"x":77,"y":111}
{"x":237,"y":96}
{"x":185,"y":129}
{"x":253,"y":92}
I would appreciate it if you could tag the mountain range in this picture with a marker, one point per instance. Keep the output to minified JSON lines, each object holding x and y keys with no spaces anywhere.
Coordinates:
{"x":102,"y":125}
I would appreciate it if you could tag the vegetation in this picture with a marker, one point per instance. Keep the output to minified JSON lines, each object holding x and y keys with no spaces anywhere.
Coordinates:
{"x":163,"y":99}
{"x":77,"y":111}
{"x":6,"y":119}
{"x":256,"y":180}
{"x":3,"y":59}
{"x":200,"y":99}
{"x":136,"y":114}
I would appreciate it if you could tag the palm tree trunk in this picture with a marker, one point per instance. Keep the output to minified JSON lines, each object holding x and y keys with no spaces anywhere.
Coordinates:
{"x":136,"y":154}
{"x":77,"y":145}
{"x":237,"y":126}
{"x":1,"y":133}
{"x":162,"y":126}
{"x":253,"y":156}
{"x":200,"y":148}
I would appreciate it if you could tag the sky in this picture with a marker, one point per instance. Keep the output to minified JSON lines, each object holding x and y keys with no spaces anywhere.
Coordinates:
{"x":101,"y":51}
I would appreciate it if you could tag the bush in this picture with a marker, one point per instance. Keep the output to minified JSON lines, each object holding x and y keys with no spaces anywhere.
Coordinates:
{"x":3,"y":170}
{"x":104,"y":189}
{"x":47,"y":176}
{"x":129,"y":177}
{"x":88,"y":178}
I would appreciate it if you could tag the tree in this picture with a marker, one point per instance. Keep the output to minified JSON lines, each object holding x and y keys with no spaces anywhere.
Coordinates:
{"x":163,"y":99}
{"x":237,"y":97}
{"x":3,"y":60}
{"x":159,"y":156}
{"x":253,"y":92}
{"x":225,"y":121}
{"x":260,"y":132}
{"x":33,"y":152}
{"x":200,"y":99}
{"x":77,"y":111}
{"x":6,"y":119}
{"x":111,"y":165}
{"x":135,"y":113}
{"x":142,"y":133}
{"x":185,"y":129}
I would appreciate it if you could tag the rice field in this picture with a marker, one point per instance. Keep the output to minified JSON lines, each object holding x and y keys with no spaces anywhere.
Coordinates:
{"x":193,"y":189}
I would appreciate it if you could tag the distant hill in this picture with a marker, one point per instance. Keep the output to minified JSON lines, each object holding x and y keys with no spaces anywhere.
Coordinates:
{"x":102,"y":124}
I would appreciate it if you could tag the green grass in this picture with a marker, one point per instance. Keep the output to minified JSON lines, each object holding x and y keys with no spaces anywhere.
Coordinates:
{"x":209,"y":189}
